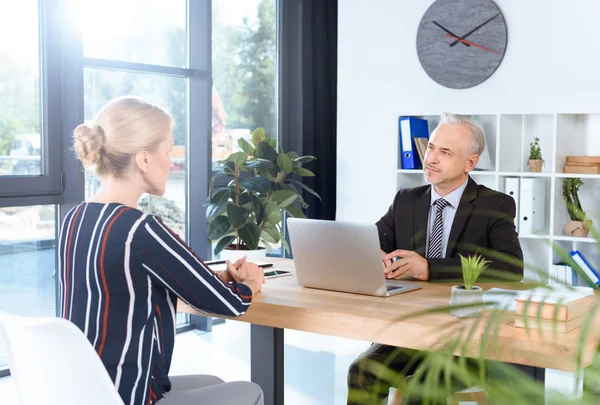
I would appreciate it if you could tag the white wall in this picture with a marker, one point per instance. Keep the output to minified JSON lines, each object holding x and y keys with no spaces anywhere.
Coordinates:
{"x":552,"y":64}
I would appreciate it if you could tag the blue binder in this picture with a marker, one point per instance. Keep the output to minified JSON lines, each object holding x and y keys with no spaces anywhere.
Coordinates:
{"x":593,"y":278}
{"x":410,"y":128}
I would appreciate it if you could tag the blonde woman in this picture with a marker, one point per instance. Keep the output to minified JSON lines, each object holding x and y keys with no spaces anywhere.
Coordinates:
{"x":122,"y":271}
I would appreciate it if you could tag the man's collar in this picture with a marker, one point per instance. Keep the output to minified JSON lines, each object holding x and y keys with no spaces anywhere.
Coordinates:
{"x":453,"y":198}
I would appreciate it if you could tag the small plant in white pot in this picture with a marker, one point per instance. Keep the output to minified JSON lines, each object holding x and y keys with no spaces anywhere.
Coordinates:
{"x":469,"y":297}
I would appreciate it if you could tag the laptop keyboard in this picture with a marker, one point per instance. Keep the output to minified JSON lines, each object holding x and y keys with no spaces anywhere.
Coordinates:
{"x":391,"y":287}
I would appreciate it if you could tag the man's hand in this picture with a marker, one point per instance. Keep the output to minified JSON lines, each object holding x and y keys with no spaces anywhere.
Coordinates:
{"x":410,"y":264}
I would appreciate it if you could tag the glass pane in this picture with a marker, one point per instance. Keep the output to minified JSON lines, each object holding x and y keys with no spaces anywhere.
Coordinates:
{"x":142,"y":31}
{"x":244,"y":56}
{"x":27,"y":262}
{"x":100,"y":86}
{"x":20,"y":140}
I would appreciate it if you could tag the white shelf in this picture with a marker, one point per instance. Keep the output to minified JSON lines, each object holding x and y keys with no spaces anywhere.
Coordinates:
{"x":535,"y":236}
{"x":483,"y":173}
{"x":574,"y":239}
{"x":410,"y":171}
{"x":580,"y":175}
{"x":525,"y":174}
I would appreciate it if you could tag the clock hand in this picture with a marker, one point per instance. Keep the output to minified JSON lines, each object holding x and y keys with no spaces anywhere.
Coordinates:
{"x":473,"y":30}
{"x":449,"y":32}
{"x":464,"y":41}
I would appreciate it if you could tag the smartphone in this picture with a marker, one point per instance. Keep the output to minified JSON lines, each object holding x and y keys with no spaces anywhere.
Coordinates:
{"x":274,"y":273}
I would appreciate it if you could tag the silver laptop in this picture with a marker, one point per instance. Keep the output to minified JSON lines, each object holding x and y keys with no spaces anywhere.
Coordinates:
{"x":341,"y":256}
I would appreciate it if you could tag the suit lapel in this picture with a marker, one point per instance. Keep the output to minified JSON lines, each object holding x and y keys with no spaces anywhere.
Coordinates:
{"x":465,"y":207}
{"x":421,"y":218}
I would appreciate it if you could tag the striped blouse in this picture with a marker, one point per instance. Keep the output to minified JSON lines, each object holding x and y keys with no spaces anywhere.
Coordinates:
{"x":121,"y":272}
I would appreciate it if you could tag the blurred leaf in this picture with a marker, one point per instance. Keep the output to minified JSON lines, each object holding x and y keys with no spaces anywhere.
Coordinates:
{"x":238,"y":158}
{"x":303,"y":172}
{"x":229,"y":168}
{"x":214,"y":209}
{"x":250,"y":235}
{"x":284,"y":198}
{"x":284,"y":163}
{"x":223,"y":243}
{"x":245,"y":146}
{"x":272,"y":142}
{"x":266,"y":151}
{"x":270,"y":207}
{"x":275,"y":217}
{"x":304,"y":187}
{"x":258,"y":135}
{"x":221,"y":196}
{"x":260,"y":164}
{"x":259,"y":209}
{"x":295,"y":211}
{"x":237,"y":215}
{"x":245,"y":198}
{"x":292,"y":155}
{"x":219,"y":227}
{"x":256,"y":184}
{"x":270,"y":234}
{"x":304,"y":159}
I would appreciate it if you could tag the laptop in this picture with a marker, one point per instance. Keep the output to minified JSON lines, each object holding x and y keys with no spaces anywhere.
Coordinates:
{"x":341,"y":256}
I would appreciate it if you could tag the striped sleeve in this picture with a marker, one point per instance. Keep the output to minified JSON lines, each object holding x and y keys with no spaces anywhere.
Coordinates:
{"x":171,"y":263}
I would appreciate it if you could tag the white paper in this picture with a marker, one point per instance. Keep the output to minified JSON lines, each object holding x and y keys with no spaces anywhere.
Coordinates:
{"x":555,"y":293}
{"x":500,"y":298}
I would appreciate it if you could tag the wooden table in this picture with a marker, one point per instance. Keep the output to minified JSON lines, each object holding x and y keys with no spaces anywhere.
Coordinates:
{"x":283,"y":304}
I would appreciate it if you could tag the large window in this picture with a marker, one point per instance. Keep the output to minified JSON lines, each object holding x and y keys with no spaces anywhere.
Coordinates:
{"x":244,"y":57}
{"x":132,"y":58}
{"x":27,"y":262}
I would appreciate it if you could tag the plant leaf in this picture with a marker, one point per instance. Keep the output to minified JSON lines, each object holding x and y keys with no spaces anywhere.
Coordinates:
{"x":303,"y":172}
{"x":284,"y":163}
{"x":260,"y":164}
{"x":256,"y":184}
{"x":270,"y":207}
{"x":219,"y":227}
{"x":238,"y":158}
{"x":292,"y":155}
{"x":250,"y":235}
{"x":245,"y":146}
{"x":303,"y":186}
{"x":275,"y":217}
{"x":295,"y":211}
{"x":259,"y":209}
{"x":223,"y":243}
{"x":221,"y":196}
{"x":258,"y":136}
{"x":284,"y":198}
{"x":272,"y":142}
{"x":266,"y":151}
{"x":245,"y":198}
{"x":304,"y":159}
{"x":270,"y":234}
{"x":213,"y":210}
{"x":237,"y":215}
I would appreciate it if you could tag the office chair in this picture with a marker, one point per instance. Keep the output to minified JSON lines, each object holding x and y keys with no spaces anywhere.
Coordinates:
{"x":53,"y":363}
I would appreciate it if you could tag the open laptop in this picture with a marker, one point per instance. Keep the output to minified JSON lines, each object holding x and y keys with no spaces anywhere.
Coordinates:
{"x":341,"y":256}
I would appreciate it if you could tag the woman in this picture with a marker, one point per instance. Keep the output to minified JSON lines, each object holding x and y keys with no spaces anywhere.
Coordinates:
{"x":122,"y":271}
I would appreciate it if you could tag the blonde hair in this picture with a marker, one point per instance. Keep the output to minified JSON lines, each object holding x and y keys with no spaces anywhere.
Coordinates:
{"x":123,"y":127}
{"x":477,"y":135}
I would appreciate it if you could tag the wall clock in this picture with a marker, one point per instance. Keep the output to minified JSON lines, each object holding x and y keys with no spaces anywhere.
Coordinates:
{"x":461,"y":43}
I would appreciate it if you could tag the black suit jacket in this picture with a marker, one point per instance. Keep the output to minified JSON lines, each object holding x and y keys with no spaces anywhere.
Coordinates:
{"x":484,"y":223}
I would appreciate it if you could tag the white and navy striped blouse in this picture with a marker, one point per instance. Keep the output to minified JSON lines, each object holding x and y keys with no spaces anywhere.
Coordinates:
{"x":121,"y":272}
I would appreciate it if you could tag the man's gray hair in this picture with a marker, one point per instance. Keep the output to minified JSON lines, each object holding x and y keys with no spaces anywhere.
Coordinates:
{"x":477,"y":134}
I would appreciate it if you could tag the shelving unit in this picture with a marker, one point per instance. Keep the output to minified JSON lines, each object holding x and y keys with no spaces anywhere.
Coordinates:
{"x":508,"y":137}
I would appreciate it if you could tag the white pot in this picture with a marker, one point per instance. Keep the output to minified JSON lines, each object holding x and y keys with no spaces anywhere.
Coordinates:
{"x":251,"y":255}
{"x":461,"y":296}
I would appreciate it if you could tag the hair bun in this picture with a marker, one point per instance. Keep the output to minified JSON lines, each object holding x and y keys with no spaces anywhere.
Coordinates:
{"x":89,"y":143}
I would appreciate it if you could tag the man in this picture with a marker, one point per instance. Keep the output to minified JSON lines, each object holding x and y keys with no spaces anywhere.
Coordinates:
{"x":427,"y":227}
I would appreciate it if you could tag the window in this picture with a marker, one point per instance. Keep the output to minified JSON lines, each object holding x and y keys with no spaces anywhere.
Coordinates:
{"x":20,"y":139}
{"x":244,"y":57}
{"x":27,"y":262}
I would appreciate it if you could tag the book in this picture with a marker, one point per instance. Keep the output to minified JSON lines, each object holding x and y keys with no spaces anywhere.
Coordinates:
{"x":582,"y":169}
{"x":564,"y":313}
{"x":548,"y":324}
{"x":584,"y":159}
{"x":554,"y":294}
{"x":590,"y":273}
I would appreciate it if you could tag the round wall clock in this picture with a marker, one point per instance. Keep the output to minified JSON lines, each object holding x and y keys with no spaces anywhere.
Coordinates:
{"x":461,"y":43}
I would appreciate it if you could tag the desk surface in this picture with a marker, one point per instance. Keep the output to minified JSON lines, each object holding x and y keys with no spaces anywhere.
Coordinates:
{"x":282,"y":303}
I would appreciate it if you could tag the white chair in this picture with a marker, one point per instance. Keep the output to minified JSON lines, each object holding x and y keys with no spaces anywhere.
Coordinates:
{"x":53,"y":363}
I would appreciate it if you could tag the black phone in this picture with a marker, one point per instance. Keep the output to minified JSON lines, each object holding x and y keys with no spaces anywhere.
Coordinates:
{"x":276,"y":273}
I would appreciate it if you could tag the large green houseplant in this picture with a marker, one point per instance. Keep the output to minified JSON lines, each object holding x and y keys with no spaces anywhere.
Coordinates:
{"x":248,"y":210}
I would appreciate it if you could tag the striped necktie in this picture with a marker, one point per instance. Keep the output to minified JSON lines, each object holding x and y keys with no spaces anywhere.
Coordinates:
{"x":434,"y":248}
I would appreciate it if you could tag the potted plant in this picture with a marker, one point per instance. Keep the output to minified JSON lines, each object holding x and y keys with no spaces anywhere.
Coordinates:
{"x":535,"y":161}
{"x":244,"y":217}
{"x":469,"y":293}
{"x":578,"y":224}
